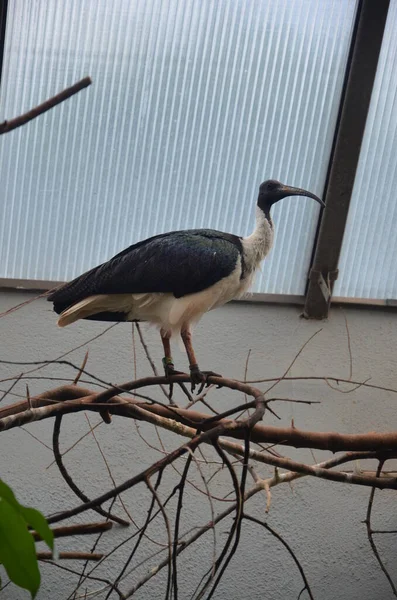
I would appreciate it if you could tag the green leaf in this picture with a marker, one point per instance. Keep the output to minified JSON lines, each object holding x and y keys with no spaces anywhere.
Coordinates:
{"x":7,"y":493}
{"x":17,"y":549}
{"x":33,"y":517}
{"x":39,"y":524}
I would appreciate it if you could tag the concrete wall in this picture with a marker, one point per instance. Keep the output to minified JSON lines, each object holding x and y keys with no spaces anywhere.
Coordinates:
{"x":321,"y":520}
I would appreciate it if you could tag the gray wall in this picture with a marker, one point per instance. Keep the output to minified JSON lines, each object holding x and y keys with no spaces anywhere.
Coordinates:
{"x":321,"y":520}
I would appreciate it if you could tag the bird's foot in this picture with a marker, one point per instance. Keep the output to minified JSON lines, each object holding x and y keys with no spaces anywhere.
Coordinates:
{"x":169,"y":371}
{"x":200,"y":377}
{"x":169,"y":368}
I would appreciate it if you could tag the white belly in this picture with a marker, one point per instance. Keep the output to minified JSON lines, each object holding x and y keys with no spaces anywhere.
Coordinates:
{"x":172,"y":313}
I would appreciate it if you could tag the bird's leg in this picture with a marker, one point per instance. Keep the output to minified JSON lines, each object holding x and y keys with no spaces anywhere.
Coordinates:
{"x":196,"y":375}
{"x":168,"y":362}
{"x":194,"y":368}
{"x":169,"y":366}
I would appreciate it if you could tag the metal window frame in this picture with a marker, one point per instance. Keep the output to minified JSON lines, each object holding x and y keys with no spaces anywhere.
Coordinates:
{"x":356,"y":96}
{"x":3,"y":23}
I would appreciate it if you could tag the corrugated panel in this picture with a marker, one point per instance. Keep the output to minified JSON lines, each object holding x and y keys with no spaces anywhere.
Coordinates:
{"x":368,"y":266}
{"x":194,"y":103}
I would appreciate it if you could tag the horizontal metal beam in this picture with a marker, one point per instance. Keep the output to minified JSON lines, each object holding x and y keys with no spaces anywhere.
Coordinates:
{"x":39,"y":287}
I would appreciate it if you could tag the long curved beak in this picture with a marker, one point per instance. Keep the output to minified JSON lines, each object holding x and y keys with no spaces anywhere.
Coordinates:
{"x":293,"y":191}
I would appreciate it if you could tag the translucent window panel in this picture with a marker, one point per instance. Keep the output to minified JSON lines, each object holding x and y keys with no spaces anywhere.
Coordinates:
{"x":368,"y":263}
{"x":193,"y":104}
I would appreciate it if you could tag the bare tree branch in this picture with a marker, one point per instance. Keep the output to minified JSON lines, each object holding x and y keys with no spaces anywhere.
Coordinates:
{"x":370,"y":532}
{"x":215,"y":429}
{"x":287,"y":546}
{"x":69,"y":556}
{"x":67,"y":477}
{"x":67,"y":399}
{"x":8,"y":126}
{"x":83,"y":529}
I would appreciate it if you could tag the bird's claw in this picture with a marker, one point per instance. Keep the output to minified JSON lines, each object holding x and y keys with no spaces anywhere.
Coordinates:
{"x":200,"y":377}
{"x":169,"y":368}
{"x":169,"y":371}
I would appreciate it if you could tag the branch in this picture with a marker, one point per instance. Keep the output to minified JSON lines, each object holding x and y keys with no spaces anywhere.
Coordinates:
{"x":68,"y":399}
{"x":276,"y":480}
{"x":370,"y":532}
{"x":8,"y":126}
{"x":205,"y":437}
{"x":236,"y":527}
{"x":68,"y":478}
{"x":83,"y":529}
{"x":287,"y":546}
{"x":69,"y":556}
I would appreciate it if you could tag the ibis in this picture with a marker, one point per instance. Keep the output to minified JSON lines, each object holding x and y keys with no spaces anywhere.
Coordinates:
{"x":173,"y":278}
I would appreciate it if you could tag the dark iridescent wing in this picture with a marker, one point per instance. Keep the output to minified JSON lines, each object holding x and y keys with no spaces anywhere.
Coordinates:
{"x":180,"y":262}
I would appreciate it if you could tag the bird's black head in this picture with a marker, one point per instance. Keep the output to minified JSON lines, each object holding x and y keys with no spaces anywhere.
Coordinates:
{"x":271,"y":191}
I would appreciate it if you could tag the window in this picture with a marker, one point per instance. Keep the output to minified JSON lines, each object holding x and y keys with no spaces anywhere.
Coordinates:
{"x":193,"y":105}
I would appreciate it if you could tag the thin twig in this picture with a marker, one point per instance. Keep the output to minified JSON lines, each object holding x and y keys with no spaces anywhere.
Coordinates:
{"x":83,"y":364}
{"x":8,"y":126}
{"x":69,"y":556}
{"x":181,"y":488}
{"x":101,"y":452}
{"x":326,"y":378}
{"x":168,"y":529}
{"x":349,"y":347}
{"x":293,"y":360}
{"x":11,"y":387}
{"x":282,"y":478}
{"x":36,"y":438}
{"x":74,"y":572}
{"x":239,"y":514}
{"x":140,"y":534}
{"x":67,"y":477}
{"x":246,"y":369}
{"x":370,"y":532}
{"x":83,"y":576}
{"x":22,"y":304}
{"x":134,"y":535}
{"x":233,"y":529}
{"x":74,"y":444}
{"x":287,"y":546}
{"x":384,"y":530}
{"x":82,"y":529}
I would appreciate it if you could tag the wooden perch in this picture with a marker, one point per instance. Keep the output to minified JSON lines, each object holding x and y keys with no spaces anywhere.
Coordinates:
{"x":69,"y":399}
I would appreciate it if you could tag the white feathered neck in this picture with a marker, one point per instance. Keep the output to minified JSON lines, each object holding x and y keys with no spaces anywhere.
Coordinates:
{"x":257,"y":245}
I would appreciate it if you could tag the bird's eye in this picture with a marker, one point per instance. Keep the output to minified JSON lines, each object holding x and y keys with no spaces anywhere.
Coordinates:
{"x":269,"y":186}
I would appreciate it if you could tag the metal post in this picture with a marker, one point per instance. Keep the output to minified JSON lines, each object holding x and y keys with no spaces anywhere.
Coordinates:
{"x":356,"y":96}
{"x":3,"y":20}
